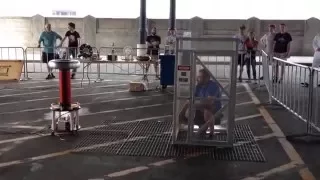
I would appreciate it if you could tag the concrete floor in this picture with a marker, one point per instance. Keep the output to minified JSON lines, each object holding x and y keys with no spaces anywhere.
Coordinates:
{"x":29,"y":155}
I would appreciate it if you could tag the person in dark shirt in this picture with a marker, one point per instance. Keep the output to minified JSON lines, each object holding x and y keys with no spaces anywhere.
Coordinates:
{"x":73,"y":43}
{"x":153,"y":42}
{"x":281,"y":50}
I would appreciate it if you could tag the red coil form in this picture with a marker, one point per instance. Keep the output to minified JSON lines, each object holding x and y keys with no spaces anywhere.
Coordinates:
{"x":65,"y":88}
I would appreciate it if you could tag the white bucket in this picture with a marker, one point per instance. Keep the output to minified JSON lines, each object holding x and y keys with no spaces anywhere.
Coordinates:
{"x":141,"y":49}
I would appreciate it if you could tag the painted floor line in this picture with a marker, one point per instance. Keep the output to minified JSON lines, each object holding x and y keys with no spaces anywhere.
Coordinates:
{"x":65,"y":152}
{"x":82,"y":104}
{"x":286,"y":145}
{"x":86,"y":128}
{"x":10,"y":147}
{"x":35,"y":81}
{"x":244,"y":103}
{"x":57,"y":90}
{"x":264,"y":137}
{"x":47,"y":86}
{"x":247,"y":117}
{"x":162,"y":163}
{"x":170,"y":161}
{"x":127,"y":171}
{"x":273,"y":171}
{"x":91,"y":127}
{"x":103,"y":112}
{"x":55,"y":98}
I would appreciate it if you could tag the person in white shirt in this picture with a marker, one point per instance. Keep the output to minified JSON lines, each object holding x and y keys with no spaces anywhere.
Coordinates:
{"x":171,"y":41}
{"x":316,"y":48}
{"x":267,"y":42}
{"x":316,"y":55}
{"x":242,"y":37}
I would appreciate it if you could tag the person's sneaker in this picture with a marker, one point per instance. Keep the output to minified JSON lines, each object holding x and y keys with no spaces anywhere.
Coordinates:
{"x":240,"y":79}
{"x":49,"y":77}
{"x":73,"y":75}
{"x":261,"y":78}
{"x":157,"y":77}
{"x":52,"y":75}
{"x":275,"y":80}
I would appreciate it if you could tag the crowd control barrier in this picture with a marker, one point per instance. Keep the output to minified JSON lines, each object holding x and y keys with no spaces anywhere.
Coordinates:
{"x":296,"y":88}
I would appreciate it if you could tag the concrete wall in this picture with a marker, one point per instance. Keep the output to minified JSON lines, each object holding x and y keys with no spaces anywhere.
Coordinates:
{"x":24,"y":32}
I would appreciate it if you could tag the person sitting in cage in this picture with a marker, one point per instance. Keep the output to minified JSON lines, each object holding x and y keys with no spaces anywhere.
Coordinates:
{"x":206,"y":115}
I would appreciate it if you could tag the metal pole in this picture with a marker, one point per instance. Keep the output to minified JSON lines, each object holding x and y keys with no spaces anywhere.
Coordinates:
{"x":310,"y":102}
{"x":143,"y":19}
{"x":172,"y":15}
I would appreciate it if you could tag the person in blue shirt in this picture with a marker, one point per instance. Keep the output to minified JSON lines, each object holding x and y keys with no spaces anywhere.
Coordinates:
{"x":210,"y":103}
{"x":48,"y":38}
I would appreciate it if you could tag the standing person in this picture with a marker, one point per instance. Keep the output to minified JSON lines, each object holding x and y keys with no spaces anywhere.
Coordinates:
{"x":241,"y":49}
{"x":171,"y":41}
{"x":73,"y":44}
{"x":267,"y":42}
{"x":281,"y":50}
{"x":251,"y":45}
{"x":48,"y":38}
{"x":153,"y":42}
{"x":316,"y":56}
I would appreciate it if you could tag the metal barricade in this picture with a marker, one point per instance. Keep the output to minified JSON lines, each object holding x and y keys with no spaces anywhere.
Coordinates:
{"x":287,"y":78}
{"x":188,"y":127}
{"x":123,"y":61}
{"x":14,"y":53}
{"x":314,"y":100}
{"x":34,"y":59}
{"x":294,"y":87}
{"x":266,"y":73}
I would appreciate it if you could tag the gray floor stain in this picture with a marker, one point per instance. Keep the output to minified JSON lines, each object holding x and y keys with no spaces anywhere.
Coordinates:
{"x":35,"y":167}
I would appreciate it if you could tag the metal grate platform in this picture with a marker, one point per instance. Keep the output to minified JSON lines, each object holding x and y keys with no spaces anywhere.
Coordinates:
{"x":153,"y":138}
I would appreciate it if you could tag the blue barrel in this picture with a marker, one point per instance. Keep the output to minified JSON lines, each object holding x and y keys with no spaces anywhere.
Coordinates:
{"x":167,"y":68}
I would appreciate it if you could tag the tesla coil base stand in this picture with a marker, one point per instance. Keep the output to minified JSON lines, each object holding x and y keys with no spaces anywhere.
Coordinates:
{"x":68,"y":112}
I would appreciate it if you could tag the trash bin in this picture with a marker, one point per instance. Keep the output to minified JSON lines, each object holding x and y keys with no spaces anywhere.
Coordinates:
{"x":167,"y":67}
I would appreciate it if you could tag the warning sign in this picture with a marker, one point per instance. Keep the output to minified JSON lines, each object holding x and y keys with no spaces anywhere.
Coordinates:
{"x":183,"y":80}
{"x":184,"y":74}
{"x":184,"y":68}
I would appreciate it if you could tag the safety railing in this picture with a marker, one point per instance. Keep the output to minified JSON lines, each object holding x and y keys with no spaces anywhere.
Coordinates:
{"x":123,"y":60}
{"x":34,"y":58}
{"x":294,"y":87}
{"x":314,"y":98}
{"x":118,"y":60}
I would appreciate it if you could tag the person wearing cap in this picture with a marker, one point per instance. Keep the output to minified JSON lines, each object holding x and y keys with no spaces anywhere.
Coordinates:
{"x":281,"y":50}
{"x":241,"y":36}
{"x":267,"y":42}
